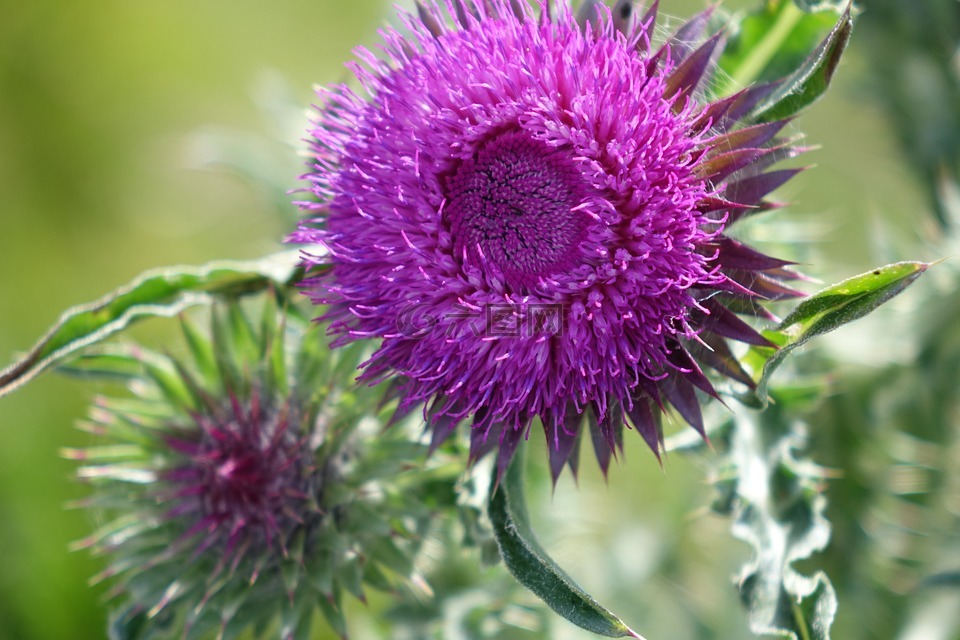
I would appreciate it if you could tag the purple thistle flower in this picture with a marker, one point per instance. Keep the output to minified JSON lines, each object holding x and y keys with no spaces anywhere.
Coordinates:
{"x":530,"y":213}
{"x":247,"y":476}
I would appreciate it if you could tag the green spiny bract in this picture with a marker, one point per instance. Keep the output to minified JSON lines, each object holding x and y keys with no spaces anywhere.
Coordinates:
{"x":241,"y":486}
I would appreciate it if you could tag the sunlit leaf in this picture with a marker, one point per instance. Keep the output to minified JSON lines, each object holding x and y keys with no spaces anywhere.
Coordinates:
{"x":827,"y":310}
{"x":158,"y":293}
{"x":801,"y":88}
{"x":773,"y":41}
{"x":534,"y":569}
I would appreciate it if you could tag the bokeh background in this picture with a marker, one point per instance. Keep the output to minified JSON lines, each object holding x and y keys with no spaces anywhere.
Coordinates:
{"x":116,"y":119}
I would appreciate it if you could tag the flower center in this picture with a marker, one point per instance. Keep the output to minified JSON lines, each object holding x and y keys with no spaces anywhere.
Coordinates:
{"x":247,"y":478}
{"x":512,"y":204}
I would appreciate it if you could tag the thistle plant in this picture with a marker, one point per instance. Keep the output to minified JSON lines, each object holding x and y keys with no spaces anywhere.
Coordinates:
{"x":240,"y":485}
{"x":516,"y":215}
{"x":549,"y":195}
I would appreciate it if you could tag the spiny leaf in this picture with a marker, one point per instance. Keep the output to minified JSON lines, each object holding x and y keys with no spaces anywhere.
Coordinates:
{"x":827,"y":310}
{"x":159,"y":293}
{"x":531,"y":565}
{"x":780,"y":513}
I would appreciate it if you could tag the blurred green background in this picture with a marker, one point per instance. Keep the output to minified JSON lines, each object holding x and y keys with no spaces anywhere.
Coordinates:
{"x":110,"y":113}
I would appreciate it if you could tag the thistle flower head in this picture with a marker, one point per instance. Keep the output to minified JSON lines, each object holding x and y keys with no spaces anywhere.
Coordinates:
{"x":239,"y":488}
{"x":530,"y":213}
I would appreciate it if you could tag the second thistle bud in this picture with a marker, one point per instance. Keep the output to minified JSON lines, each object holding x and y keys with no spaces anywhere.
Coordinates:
{"x":239,"y":489}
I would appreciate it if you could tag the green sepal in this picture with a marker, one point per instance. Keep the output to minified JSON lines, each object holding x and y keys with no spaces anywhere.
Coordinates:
{"x":173,"y":387}
{"x":375,"y":577}
{"x":349,"y":576}
{"x":131,"y":623}
{"x":332,"y":609}
{"x":110,"y":361}
{"x":242,"y":337}
{"x":320,"y":571}
{"x":295,"y":620}
{"x":272,"y":348}
{"x":201,"y":350}
{"x":231,"y":373}
{"x":291,"y":567}
{"x":385,"y":552}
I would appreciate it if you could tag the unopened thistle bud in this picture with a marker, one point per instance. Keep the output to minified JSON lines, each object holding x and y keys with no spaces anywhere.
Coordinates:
{"x":238,"y":489}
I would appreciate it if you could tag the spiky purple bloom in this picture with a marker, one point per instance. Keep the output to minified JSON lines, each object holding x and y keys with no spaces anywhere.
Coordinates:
{"x":246,"y":477}
{"x":530,"y":213}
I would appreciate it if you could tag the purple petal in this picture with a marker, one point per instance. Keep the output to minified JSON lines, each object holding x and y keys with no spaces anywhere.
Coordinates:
{"x":562,"y":442}
{"x":763,"y":285}
{"x":685,"y":78}
{"x":755,"y":136}
{"x":682,"y":396}
{"x":718,"y":167}
{"x":648,"y":23}
{"x":716,"y":354}
{"x":681,"y":360}
{"x":736,"y":255}
{"x":747,"y":307}
{"x":751,"y":190}
{"x":686,"y":38}
{"x":602,"y":448}
{"x":509,"y":441}
{"x":647,"y":422}
{"x":725,"y":323}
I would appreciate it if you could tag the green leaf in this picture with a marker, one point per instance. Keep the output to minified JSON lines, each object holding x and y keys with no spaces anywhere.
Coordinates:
{"x":801,"y":88}
{"x":332,"y":609}
{"x":531,"y":565}
{"x":781,"y":514}
{"x":827,"y":310}
{"x":773,"y":41}
{"x":159,"y":293}
{"x":201,"y":349}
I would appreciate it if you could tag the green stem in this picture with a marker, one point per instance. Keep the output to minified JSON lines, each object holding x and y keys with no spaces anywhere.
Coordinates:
{"x":801,"y":621}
